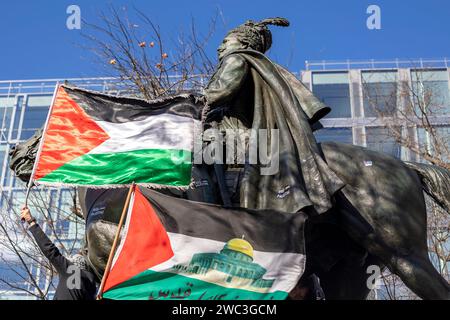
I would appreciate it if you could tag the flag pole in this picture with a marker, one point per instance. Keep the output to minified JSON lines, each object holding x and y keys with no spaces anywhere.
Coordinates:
{"x":115,"y":242}
{"x":41,"y":143}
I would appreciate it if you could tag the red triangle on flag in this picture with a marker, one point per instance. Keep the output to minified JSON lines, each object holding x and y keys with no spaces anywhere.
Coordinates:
{"x":145,"y":243}
{"x":70,"y":133}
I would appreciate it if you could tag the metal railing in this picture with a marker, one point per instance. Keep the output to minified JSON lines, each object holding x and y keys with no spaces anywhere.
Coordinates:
{"x":376,"y":64}
{"x":47,"y":86}
{"x":102,"y":84}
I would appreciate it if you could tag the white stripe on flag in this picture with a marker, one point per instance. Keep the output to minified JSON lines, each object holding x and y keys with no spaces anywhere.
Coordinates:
{"x":166,"y":131}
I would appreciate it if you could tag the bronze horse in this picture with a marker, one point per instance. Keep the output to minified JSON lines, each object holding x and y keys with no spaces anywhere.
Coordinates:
{"x":379,"y":218}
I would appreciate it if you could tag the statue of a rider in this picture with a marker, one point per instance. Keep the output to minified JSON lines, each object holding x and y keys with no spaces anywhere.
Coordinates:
{"x":249,"y":91}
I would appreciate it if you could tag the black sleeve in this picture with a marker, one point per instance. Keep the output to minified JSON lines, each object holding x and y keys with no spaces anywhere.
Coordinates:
{"x":49,"y":249}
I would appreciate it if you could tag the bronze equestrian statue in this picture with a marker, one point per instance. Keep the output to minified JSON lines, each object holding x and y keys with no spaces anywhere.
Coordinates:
{"x":252,"y":92}
{"x":365,"y":207}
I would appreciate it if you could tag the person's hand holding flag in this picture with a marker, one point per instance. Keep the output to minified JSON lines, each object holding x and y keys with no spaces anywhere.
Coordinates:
{"x":25,"y":215}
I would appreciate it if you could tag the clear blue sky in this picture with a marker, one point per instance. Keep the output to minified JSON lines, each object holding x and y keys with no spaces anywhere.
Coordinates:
{"x":35,"y":42}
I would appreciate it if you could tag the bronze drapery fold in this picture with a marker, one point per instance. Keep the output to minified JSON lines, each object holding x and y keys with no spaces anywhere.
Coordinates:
{"x":258,"y":94}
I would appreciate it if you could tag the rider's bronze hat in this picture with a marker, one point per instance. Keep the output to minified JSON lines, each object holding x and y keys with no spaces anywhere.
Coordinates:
{"x":256,"y":34}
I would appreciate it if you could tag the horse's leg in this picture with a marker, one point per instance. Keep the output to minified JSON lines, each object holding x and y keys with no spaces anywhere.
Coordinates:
{"x":307,"y":288}
{"x":338,"y":261}
{"x":382,"y":207}
{"x":405,"y":254}
{"x":418,"y":273}
{"x":347,"y":280}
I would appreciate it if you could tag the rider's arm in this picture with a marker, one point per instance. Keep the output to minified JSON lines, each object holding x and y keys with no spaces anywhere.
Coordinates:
{"x":227,"y":81}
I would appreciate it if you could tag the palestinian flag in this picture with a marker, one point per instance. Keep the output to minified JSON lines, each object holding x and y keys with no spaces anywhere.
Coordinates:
{"x":173,"y":248}
{"x":93,"y":139}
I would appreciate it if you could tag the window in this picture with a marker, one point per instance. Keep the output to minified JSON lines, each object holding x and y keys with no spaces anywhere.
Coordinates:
{"x":19,"y":109}
{"x":35,"y":114}
{"x":39,"y":100}
{"x":70,"y":228}
{"x":17,"y":200}
{"x":379,"y":93}
{"x":9,"y":174}
{"x":379,"y":139}
{"x":33,"y":119}
{"x":427,"y":142}
{"x":17,"y":182}
{"x":343,"y":135}
{"x":2,"y":155}
{"x":431,"y":90}
{"x":9,"y":268}
{"x":444,"y":135}
{"x":6,"y":109}
{"x":6,"y":101}
{"x":332,"y":88}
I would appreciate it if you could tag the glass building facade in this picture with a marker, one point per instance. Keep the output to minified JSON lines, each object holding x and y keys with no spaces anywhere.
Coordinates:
{"x":365,"y":98}
{"x":359,"y":98}
{"x":356,"y":95}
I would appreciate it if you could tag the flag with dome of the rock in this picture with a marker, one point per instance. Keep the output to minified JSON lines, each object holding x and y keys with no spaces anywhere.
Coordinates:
{"x":174,"y":248}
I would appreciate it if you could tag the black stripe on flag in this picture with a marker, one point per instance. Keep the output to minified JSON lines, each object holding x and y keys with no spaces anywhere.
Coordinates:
{"x":120,"y":109}
{"x":266,"y":230}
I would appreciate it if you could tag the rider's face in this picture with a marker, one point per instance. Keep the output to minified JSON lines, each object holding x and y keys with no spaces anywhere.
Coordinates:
{"x":230,"y":43}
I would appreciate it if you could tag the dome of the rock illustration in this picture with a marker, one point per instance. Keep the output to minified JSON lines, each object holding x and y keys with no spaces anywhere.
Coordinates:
{"x":240,"y":245}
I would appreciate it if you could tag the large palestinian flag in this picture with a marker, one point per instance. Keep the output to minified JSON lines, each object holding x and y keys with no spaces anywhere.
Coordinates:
{"x":94,"y":139}
{"x":179,"y":249}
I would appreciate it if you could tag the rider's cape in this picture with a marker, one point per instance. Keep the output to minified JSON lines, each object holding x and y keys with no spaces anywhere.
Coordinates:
{"x":278,"y":101}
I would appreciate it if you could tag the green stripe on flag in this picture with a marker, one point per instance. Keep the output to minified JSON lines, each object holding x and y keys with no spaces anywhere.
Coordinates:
{"x":152,"y":166}
{"x":161,"y":285}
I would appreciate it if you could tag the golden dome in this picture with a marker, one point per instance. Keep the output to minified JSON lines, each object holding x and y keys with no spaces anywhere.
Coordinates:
{"x":240,"y":245}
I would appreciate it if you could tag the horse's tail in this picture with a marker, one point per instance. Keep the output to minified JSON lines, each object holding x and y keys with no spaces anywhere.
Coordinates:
{"x":435,"y":182}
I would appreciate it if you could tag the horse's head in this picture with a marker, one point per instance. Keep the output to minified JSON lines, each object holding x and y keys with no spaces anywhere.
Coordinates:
{"x":23,"y":155}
